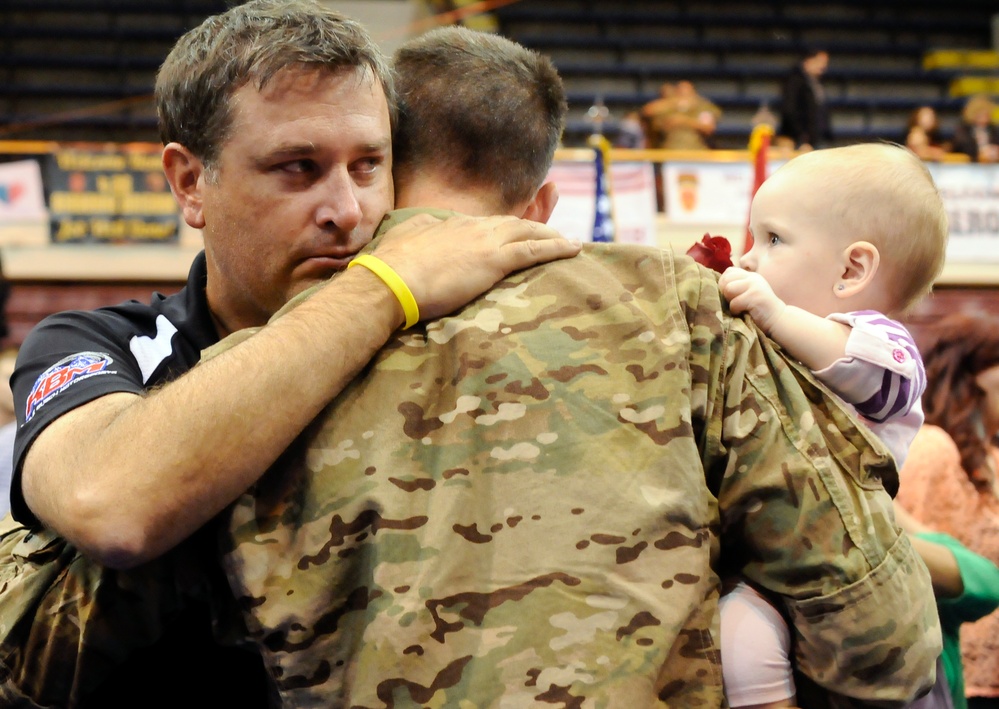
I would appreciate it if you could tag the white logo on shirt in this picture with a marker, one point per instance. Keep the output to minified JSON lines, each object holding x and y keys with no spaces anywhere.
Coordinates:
{"x":150,"y":352}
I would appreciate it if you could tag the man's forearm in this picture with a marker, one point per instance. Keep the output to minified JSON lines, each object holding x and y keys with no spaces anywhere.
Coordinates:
{"x":126,"y":478}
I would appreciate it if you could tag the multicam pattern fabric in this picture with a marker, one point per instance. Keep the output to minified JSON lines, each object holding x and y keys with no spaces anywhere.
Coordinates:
{"x":67,"y":622}
{"x":69,"y":628}
{"x":530,"y":502}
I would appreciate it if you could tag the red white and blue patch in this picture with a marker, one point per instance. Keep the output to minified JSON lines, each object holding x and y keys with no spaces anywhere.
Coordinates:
{"x":64,"y":374}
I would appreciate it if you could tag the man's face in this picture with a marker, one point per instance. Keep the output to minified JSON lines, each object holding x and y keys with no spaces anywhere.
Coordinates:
{"x":300,"y":185}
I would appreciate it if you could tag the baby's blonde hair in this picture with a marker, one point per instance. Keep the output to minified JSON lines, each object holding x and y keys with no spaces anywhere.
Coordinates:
{"x":883,"y":193}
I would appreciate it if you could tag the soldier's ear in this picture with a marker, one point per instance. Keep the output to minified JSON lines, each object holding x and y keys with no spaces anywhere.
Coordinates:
{"x":540,"y":208}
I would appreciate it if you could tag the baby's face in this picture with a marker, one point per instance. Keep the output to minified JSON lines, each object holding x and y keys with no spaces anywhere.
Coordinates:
{"x":796,"y":246}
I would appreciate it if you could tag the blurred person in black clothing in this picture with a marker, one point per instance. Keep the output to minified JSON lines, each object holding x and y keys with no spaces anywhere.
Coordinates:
{"x":804,"y":114}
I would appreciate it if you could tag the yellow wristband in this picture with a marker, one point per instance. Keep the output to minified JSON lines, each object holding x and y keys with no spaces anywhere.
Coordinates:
{"x":395,"y":284}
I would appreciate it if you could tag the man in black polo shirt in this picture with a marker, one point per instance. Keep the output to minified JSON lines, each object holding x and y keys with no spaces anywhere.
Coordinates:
{"x":276,"y":119}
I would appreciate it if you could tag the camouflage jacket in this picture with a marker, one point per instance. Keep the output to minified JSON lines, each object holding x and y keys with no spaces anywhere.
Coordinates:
{"x":531,"y":501}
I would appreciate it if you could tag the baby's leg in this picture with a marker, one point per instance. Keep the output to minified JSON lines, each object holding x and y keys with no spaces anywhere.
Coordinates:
{"x":756,"y":651}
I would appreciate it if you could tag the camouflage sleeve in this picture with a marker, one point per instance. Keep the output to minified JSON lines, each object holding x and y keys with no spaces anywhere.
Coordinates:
{"x":805,"y":514}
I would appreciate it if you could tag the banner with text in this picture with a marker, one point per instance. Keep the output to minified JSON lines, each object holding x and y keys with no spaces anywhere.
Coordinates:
{"x":117,"y":195}
{"x":971,"y":196}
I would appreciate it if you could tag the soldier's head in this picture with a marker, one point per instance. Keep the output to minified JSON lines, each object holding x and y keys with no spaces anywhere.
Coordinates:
{"x":477,"y":111}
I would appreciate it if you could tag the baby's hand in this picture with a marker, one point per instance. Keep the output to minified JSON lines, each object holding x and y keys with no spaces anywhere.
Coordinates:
{"x":748,"y":292}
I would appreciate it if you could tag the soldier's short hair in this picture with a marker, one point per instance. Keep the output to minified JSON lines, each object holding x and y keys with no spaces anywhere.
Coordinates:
{"x":479,"y":109}
{"x":253,"y":42}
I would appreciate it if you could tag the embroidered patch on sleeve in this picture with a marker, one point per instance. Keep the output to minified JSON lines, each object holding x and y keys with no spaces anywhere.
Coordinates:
{"x":63,"y":374}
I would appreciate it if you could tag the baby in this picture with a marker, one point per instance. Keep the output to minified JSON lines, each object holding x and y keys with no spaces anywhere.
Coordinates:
{"x":844,"y":239}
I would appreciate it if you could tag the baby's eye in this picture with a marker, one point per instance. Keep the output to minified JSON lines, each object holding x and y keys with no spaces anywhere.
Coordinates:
{"x":774,"y":239}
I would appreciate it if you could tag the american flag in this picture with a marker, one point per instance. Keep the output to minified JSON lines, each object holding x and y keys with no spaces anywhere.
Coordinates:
{"x":603,"y":223}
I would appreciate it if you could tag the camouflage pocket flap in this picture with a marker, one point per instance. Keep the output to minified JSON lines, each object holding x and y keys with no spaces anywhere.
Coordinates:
{"x":876,"y":639}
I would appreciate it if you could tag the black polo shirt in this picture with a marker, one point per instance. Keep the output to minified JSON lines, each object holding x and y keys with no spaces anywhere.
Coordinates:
{"x":72,"y":358}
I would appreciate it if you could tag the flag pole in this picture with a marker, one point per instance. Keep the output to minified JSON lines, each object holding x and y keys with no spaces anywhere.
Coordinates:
{"x":603,"y":221}
{"x":759,"y":143}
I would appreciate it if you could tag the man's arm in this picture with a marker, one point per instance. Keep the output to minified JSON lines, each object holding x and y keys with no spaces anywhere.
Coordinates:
{"x":979,"y":581}
{"x":127,"y":477}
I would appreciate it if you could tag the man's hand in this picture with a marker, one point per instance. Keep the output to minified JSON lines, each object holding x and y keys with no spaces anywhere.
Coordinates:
{"x":448,"y":263}
{"x":749,"y":292}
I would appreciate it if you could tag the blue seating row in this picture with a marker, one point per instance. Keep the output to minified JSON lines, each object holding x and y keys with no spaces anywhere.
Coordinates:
{"x":124,"y":61}
{"x":744,"y":71}
{"x":895,"y":102}
{"x":783,"y":44}
{"x":623,"y":15}
{"x":738,"y":54}
{"x":131,"y":7}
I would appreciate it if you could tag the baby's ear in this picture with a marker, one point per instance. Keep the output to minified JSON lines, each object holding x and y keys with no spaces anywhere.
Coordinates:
{"x":860,"y":263}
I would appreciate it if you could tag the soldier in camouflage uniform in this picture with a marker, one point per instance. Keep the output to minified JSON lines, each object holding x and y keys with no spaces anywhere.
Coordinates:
{"x":530,"y":502}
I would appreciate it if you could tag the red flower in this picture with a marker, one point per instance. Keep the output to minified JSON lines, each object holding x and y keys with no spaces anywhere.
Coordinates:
{"x":715,"y":252}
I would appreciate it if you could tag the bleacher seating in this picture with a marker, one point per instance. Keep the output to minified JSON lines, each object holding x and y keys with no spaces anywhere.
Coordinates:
{"x":737,"y":54}
{"x":85,"y":69}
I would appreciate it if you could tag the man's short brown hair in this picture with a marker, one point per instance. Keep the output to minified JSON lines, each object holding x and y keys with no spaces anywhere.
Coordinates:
{"x":253,"y":42}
